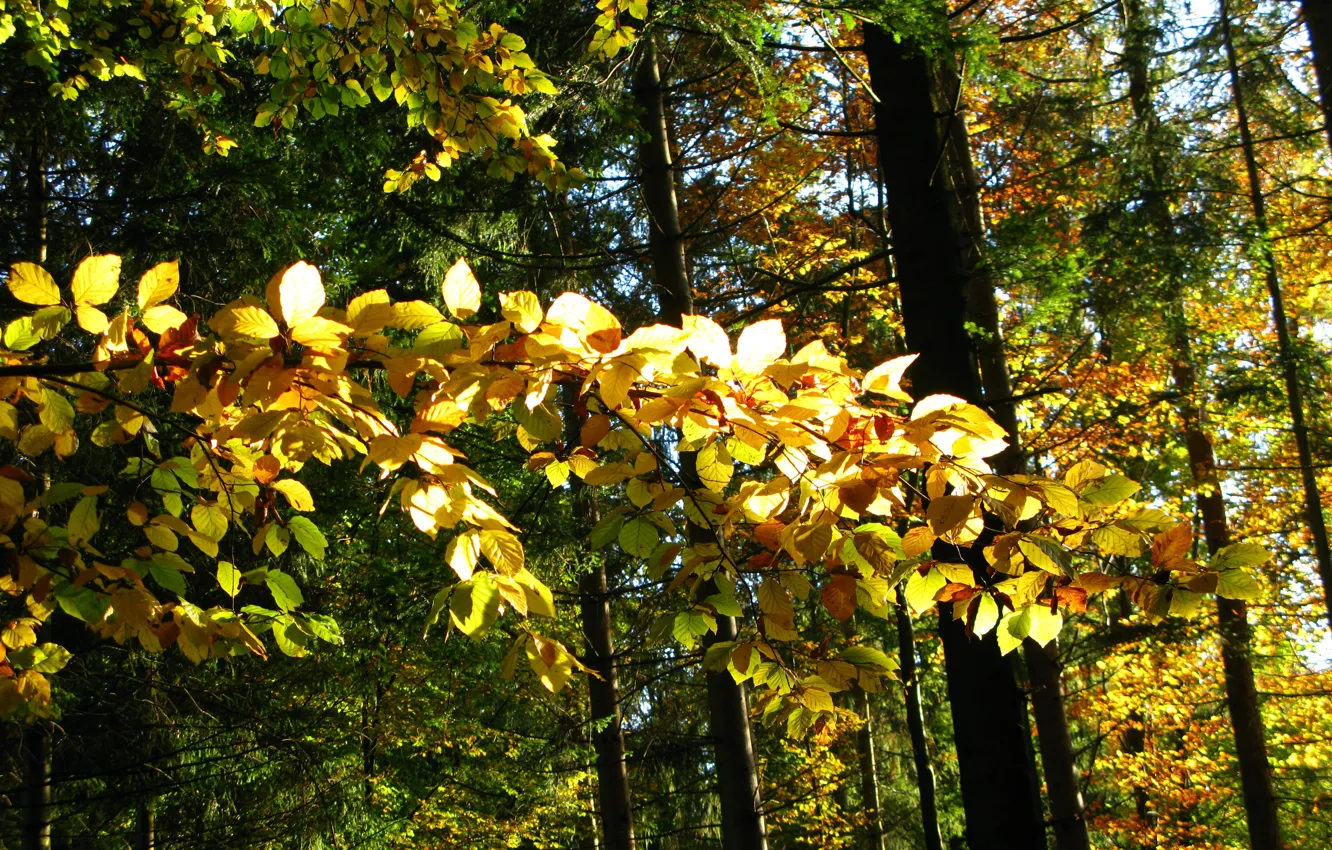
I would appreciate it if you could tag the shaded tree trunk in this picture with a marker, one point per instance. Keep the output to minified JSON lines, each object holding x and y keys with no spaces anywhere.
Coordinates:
{"x":1313,"y":504}
{"x":614,"y":798}
{"x":743,"y":824}
{"x":1318,"y":21}
{"x":920,"y":751}
{"x":36,"y":743}
{"x":1000,"y":792}
{"x":1260,"y":803}
{"x":145,"y":828}
{"x":869,"y":772}
{"x":1063,"y":780}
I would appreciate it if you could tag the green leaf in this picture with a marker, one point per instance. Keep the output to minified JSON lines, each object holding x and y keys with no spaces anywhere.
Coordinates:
{"x":228,"y":578}
{"x":1046,"y":554}
{"x":638,"y":537}
{"x":1237,"y":584}
{"x":286,"y":594}
{"x":290,"y":639}
{"x":718,"y":656}
{"x":869,"y":657}
{"x":168,"y":578}
{"x":921,"y":589}
{"x":474,"y":605}
{"x":1110,"y":490}
{"x":308,"y":535}
{"x":689,"y":626}
{"x":44,"y":658}
{"x":1240,"y":555}
{"x":607,"y":529}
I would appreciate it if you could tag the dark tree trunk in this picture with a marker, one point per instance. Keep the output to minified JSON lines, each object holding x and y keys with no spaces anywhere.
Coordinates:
{"x":613,"y":795}
{"x":1260,"y":803}
{"x":743,"y":824}
{"x":36,"y":744}
{"x":869,"y":772}
{"x":145,"y":829}
{"x":1313,"y":504}
{"x":665,"y":242}
{"x":920,"y":749}
{"x":1000,"y":792}
{"x":1318,"y":20}
{"x":1063,"y":780}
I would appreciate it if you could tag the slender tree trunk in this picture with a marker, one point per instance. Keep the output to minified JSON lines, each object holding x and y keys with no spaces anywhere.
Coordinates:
{"x":1260,"y":803}
{"x":743,"y":824}
{"x":1318,"y":20}
{"x":869,"y":772}
{"x":1063,"y":780}
{"x":37,"y":197}
{"x":1313,"y":504}
{"x":613,"y":794}
{"x":920,"y":751}
{"x":1000,"y":792}
{"x":36,"y":737}
{"x":665,"y":241}
{"x":145,"y":836}
{"x":37,"y":786}
{"x":1135,"y":742}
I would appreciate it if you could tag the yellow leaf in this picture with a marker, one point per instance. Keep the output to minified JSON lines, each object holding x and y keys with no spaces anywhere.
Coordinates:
{"x":715,"y":466}
{"x":760,"y":344}
{"x":96,"y":280}
{"x":161,"y":318}
{"x":410,"y":315}
{"x":210,"y":520}
{"x":708,"y":341}
{"x":253,"y":322}
{"x":298,"y":495}
{"x":91,"y":319}
{"x":502,"y":549}
{"x":32,"y":284}
{"x":617,"y":379}
{"x":462,"y":294}
{"x":296,"y":293}
{"x":885,"y":379}
{"x":522,"y":308}
{"x":320,"y":333}
{"x":369,"y":312}
{"x":158,"y":284}
{"x":917,"y":541}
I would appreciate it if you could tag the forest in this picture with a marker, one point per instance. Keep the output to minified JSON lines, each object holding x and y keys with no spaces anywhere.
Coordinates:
{"x":665,"y":424}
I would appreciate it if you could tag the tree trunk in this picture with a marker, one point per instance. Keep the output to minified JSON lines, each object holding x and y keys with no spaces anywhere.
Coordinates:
{"x":145,"y":837}
{"x":665,"y":242}
{"x":743,"y":824}
{"x":1241,"y":692}
{"x":869,"y":772}
{"x":613,"y":794}
{"x":1063,"y":780}
{"x":920,"y":752}
{"x":1318,"y":20}
{"x":1000,"y":792}
{"x":36,"y":743}
{"x":1313,"y":504}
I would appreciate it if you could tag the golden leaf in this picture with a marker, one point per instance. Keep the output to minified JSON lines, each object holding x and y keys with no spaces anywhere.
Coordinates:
{"x":759,"y":345}
{"x":96,"y":280}
{"x":32,"y":284}
{"x":296,"y":293}
{"x":250,"y":321}
{"x":462,"y":294}
{"x":158,"y":284}
{"x":162,"y":318}
{"x":522,"y":308}
{"x":91,"y":319}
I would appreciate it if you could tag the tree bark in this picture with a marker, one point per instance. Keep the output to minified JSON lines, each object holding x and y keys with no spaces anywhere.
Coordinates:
{"x":145,"y":828}
{"x":1318,"y":21}
{"x":36,"y":743}
{"x":920,"y":751}
{"x":1063,"y":780}
{"x":1313,"y":504}
{"x":1260,"y":803}
{"x":869,"y":772}
{"x":665,"y":241}
{"x":743,"y":824}
{"x":613,"y":794}
{"x":1000,"y":792}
